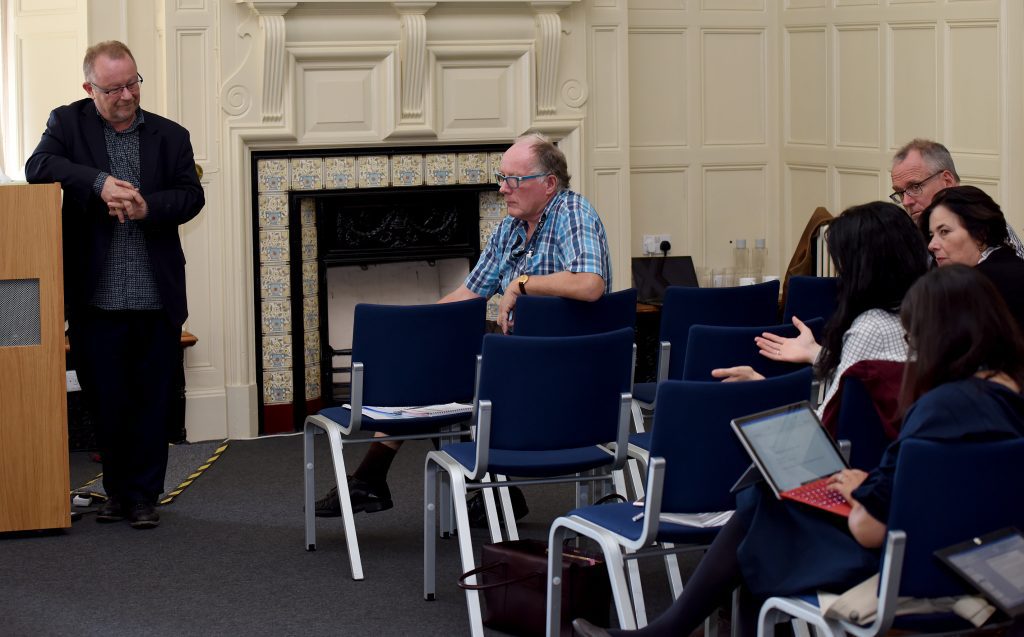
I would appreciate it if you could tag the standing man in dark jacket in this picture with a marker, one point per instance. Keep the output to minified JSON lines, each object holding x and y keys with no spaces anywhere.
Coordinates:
{"x":129,"y":180}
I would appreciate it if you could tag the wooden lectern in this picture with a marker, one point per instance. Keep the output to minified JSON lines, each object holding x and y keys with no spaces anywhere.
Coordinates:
{"x":34,"y":481}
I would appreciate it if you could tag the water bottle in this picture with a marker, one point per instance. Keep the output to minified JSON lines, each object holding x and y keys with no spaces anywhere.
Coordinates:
{"x":741,"y":259}
{"x":757,"y":259}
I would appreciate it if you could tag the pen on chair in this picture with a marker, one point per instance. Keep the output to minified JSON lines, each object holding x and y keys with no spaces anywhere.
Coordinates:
{"x":638,"y":516}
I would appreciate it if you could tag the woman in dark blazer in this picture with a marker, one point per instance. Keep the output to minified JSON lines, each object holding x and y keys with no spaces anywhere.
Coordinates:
{"x":964,"y":225}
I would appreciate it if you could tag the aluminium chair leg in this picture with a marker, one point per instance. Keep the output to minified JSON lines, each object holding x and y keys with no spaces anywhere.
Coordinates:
{"x":345,"y":498}
{"x":458,"y":491}
{"x":491,"y":510}
{"x":308,"y":435}
{"x":511,"y":529}
{"x":637,"y":591}
{"x":430,"y":485}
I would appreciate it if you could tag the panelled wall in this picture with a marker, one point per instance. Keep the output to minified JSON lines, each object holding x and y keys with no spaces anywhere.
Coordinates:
{"x":707,"y":120}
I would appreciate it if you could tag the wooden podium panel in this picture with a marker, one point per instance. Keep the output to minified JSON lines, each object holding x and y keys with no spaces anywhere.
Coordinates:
{"x":34,"y":481}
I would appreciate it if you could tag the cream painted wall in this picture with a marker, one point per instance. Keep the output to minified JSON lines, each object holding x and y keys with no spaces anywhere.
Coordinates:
{"x":708,"y":120}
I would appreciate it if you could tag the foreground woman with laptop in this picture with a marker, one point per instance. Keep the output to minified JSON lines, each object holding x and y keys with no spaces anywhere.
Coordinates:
{"x":963,"y":384}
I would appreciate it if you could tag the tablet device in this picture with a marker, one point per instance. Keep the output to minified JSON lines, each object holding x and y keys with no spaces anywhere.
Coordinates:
{"x":993,"y":564}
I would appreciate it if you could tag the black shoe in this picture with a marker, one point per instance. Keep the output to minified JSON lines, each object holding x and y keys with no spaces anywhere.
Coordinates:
{"x":143,"y":516}
{"x":111,"y":511}
{"x":365,"y":497}
{"x":583,"y":628}
{"x":478,"y":512}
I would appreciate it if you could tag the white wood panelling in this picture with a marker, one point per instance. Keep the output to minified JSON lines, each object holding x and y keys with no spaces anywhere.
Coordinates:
{"x":973,"y":87}
{"x":656,"y":194}
{"x":734,"y":106}
{"x":806,"y":188}
{"x":608,"y":83}
{"x":856,"y":186}
{"x":658,"y":111}
{"x":859,"y":88}
{"x":806,"y":91}
{"x":735,"y":207}
{"x":913,"y":67}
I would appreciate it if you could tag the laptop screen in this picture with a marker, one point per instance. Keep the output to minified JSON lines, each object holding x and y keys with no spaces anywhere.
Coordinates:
{"x":789,"y":445}
{"x":994,"y":564}
{"x":651,"y":275}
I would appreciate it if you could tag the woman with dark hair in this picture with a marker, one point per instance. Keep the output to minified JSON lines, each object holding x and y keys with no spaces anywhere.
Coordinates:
{"x":965,"y":383}
{"x":964,"y":225}
{"x":878,"y":255}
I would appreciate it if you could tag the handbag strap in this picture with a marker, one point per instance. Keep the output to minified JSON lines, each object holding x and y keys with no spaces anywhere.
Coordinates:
{"x":611,"y":497}
{"x":483,"y":569}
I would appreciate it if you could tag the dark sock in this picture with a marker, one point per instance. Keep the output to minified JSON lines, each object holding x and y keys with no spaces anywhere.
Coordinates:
{"x":708,"y":588}
{"x":376,"y":463}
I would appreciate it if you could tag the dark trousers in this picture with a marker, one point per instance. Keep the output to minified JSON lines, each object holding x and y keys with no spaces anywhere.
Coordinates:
{"x":127,"y":363}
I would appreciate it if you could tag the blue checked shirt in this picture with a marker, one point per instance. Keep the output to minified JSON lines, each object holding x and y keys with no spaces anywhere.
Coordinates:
{"x":569,"y":238}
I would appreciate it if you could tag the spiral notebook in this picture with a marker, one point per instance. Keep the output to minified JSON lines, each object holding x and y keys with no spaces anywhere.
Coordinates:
{"x":416,"y":411}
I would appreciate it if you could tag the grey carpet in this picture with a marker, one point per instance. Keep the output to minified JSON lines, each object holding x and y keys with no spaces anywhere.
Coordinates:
{"x":229,"y":559}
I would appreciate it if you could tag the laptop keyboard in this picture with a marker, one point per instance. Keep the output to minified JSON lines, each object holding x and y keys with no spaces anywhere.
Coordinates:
{"x":818,"y":494}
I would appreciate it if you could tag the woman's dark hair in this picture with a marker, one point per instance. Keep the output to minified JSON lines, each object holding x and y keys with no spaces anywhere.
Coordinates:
{"x":979,"y":214}
{"x":957,"y":324}
{"x":878,"y":254}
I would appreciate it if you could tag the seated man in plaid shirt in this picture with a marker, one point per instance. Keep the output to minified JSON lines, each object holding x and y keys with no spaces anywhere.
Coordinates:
{"x":552,"y":244}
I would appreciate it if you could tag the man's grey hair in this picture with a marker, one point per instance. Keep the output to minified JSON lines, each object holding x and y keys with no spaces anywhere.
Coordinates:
{"x":111,"y":48}
{"x":550,"y":158}
{"x":935,"y":156}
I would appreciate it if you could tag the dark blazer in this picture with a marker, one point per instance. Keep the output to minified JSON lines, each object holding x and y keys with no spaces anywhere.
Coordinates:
{"x":1006,"y":270}
{"x":73,"y":152}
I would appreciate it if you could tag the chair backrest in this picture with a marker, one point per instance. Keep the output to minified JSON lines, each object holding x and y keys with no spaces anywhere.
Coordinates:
{"x":552,"y":393}
{"x":740,"y":306}
{"x":810,"y":296}
{"x":418,"y":354}
{"x":945,"y":493}
{"x":710,"y":347}
{"x":858,"y":422}
{"x":557,"y":316}
{"x":691,"y":431}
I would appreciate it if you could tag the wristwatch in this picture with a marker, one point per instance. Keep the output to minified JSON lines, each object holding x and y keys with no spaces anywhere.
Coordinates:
{"x":523,"y":278}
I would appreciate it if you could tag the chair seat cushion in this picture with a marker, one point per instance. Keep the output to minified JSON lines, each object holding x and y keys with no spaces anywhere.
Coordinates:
{"x":645,"y":392}
{"x":618,"y":518}
{"x":394,"y":426}
{"x":532,"y":464}
{"x":641,"y":440}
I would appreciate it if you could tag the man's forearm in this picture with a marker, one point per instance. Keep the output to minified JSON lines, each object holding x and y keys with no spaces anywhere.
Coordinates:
{"x":582,"y":286}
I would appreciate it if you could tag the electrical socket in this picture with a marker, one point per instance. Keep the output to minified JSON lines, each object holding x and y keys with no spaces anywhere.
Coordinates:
{"x":650,"y":243}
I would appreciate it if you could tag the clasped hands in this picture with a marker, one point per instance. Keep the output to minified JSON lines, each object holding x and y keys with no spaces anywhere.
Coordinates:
{"x":800,"y":349}
{"x":123,"y":200}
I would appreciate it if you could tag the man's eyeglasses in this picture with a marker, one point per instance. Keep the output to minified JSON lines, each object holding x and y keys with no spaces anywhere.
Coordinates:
{"x":513,"y":182}
{"x":131,"y":86}
{"x":914,"y":190}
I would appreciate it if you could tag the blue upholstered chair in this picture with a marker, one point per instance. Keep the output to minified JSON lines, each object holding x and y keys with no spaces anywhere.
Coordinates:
{"x":557,"y":316}
{"x":810,"y":296}
{"x":712,"y":346}
{"x":696,"y":459}
{"x":943,"y":494}
{"x":549,"y":409}
{"x":401,"y":356}
{"x":683,"y":307}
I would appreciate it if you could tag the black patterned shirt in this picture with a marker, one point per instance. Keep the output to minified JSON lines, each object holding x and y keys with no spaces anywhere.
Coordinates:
{"x":126,"y":281}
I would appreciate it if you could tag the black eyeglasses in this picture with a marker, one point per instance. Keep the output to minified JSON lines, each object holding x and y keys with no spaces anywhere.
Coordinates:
{"x":131,"y":86}
{"x":914,"y":190}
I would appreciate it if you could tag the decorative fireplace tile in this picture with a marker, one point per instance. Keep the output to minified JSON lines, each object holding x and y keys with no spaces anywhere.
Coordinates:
{"x":472,"y":168}
{"x":277,"y":387}
{"x":277,"y":352}
{"x":276,"y":316}
{"x":493,"y":166}
{"x":310,"y":314}
{"x":311,"y":353}
{"x":492,"y":206}
{"x":308,"y":243}
{"x":274,"y":283}
{"x":308,"y":173}
{"x":487,"y":228}
{"x":407,"y":170}
{"x":272,"y":175}
{"x":373,"y":171}
{"x":309,"y":279}
{"x":307,"y":209}
{"x":273,"y":246}
{"x":340,"y":172}
{"x":440,"y":169}
{"x":492,"y":307}
{"x":273,"y":211}
{"x":313,"y":382}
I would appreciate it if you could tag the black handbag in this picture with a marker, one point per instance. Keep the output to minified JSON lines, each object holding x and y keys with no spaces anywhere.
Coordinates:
{"x":513,"y":584}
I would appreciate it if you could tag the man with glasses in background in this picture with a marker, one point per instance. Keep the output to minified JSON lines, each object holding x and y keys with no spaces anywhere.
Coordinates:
{"x":922,"y":168}
{"x":129,"y":180}
{"x":552,"y":243}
